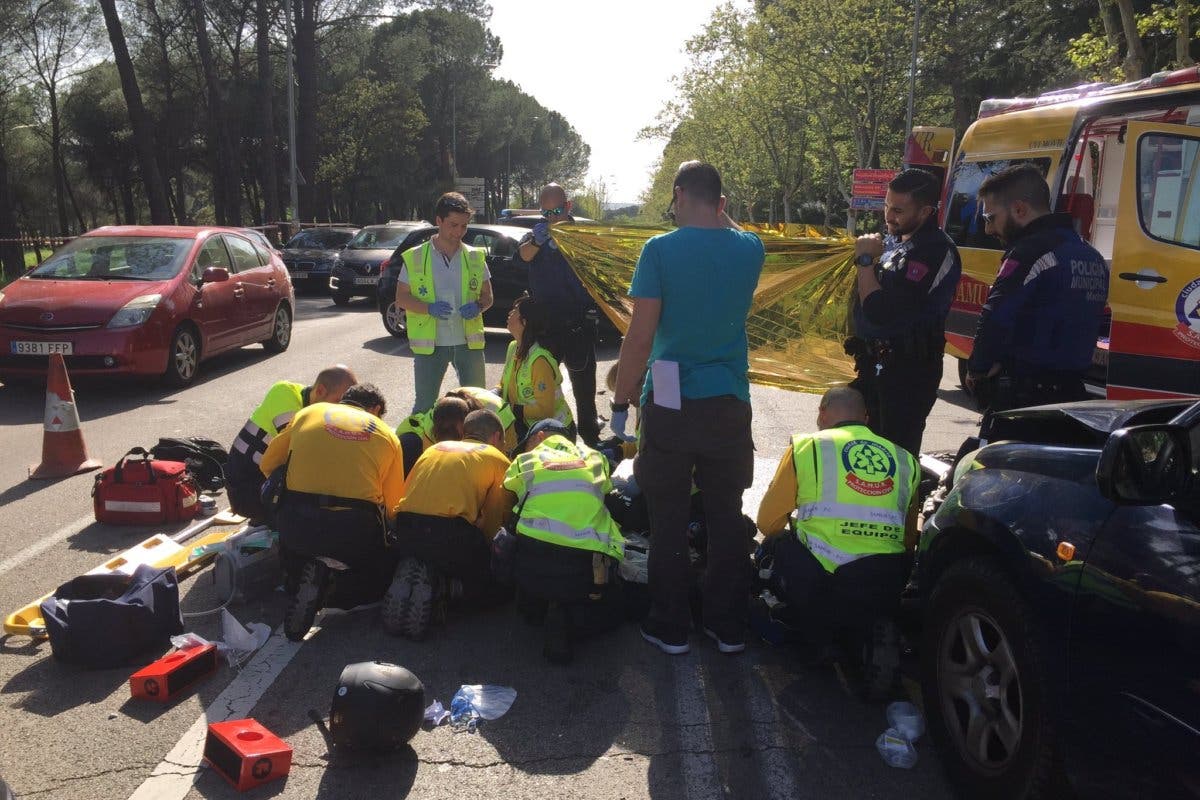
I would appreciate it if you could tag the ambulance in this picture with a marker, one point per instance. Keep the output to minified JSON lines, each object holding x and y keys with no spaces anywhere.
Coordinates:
{"x":1124,"y":162}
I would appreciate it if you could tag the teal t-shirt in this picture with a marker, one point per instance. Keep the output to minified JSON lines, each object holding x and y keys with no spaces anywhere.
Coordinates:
{"x":705,"y":278}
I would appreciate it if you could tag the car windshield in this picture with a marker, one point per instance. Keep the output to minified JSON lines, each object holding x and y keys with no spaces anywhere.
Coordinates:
{"x":383,"y":237}
{"x":319,"y":239}
{"x":115,"y":258}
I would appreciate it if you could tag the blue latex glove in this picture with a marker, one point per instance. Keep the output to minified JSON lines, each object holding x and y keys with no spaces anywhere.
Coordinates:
{"x":618,"y":423}
{"x":541,"y":232}
{"x":470,"y":310}
{"x":441,"y":309}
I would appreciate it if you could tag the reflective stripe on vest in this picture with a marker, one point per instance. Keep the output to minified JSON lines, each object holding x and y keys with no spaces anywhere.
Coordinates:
{"x":853,"y":493}
{"x":523,"y":375}
{"x":276,"y":410}
{"x":563,"y":501}
{"x":422,"y":328}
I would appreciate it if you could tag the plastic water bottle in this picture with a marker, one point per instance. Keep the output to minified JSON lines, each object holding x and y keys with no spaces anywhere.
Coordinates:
{"x":906,"y":719}
{"x":896,"y":750}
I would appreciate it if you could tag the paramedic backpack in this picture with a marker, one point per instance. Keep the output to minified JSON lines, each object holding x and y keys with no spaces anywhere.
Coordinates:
{"x":205,"y":459}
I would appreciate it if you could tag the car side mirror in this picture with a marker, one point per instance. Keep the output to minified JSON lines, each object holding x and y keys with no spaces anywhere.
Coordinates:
{"x":1146,"y":465}
{"x":214,"y":275}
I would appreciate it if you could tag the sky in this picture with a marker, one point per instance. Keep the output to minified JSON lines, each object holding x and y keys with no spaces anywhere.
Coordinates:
{"x":617,"y":57}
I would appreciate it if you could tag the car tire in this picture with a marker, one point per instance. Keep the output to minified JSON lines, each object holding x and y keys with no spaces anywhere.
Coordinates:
{"x":393,"y":320}
{"x":340,"y":298}
{"x":183,"y":357}
{"x":983,"y":660}
{"x":962,"y":377}
{"x":281,"y":330}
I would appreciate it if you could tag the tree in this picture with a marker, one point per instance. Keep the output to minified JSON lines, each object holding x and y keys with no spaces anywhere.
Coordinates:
{"x":55,"y":38}
{"x":226,"y":171}
{"x":143,"y":134}
{"x":12,"y":259}
{"x":266,"y":91}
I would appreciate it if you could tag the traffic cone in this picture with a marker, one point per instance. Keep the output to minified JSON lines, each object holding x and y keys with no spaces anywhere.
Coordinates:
{"x":63,"y":451}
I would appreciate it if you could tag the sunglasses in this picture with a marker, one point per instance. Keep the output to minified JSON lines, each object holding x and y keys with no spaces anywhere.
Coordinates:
{"x":669,"y":214}
{"x":988,"y":218}
{"x":553,"y":212}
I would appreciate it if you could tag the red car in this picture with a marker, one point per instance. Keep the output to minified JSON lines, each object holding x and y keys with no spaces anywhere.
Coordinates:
{"x":145,"y":300}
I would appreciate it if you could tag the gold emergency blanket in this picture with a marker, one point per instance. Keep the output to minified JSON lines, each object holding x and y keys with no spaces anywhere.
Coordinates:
{"x":800,"y":314}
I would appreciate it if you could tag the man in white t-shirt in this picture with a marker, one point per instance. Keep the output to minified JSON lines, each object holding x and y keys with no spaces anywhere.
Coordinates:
{"x":444,"y":287}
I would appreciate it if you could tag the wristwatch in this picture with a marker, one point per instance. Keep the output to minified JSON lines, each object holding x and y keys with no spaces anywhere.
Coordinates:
{"x":864,"y":259}
{"x":618,"y":407}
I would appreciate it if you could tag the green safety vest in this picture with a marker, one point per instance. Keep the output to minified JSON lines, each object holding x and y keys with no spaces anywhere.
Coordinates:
{"x":524,"y":379}
{"x":560,"y":487}
{"x":492,"y":402}
{"x":853,"y":494}
{"x":422,"y":328}
{"x":276,"y":410}
{"x":420,"y":424}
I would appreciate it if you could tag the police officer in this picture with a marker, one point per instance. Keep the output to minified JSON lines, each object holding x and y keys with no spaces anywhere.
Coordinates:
{"x":900,"y":310}
{"x":1038,"y":328}
{"x":575,"y":326}
{"x":842,"y":561}
{"x":243,"y":479}
{"x":568,"y":546}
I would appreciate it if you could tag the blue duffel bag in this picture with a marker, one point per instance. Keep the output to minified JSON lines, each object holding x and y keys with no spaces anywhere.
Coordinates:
{"x":107,"y":620}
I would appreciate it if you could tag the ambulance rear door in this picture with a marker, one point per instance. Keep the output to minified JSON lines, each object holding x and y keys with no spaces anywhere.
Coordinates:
{"x":1154,"y":281}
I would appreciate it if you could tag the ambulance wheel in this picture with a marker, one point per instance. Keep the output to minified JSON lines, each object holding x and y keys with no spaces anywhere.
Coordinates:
{"x":183,"y":357}
{"x":408,"y":603}
{"x":962,"y":376}
{"x":306,"y":602}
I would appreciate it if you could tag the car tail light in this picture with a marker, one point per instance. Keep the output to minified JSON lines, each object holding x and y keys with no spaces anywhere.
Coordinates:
{"x":383,"y":265}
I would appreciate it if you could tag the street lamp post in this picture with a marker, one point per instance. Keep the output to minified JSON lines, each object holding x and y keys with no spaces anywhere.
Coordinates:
{"x":294,"y":191}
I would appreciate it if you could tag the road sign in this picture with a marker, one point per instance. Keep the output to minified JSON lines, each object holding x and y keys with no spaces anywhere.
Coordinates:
{"x":866,"y":203}
{"x":473,"y":190}
{"x":871,"y":182}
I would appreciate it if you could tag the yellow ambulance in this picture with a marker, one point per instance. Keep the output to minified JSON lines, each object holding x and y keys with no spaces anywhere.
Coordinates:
{"x":1124,"y":161}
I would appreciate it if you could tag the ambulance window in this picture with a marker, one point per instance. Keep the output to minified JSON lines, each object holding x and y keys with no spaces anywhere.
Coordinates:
{"x":1169,"y":188}
{"x":963,"y":221}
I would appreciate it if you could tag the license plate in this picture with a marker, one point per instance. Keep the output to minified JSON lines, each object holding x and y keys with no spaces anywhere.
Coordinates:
{"x":301,"y":266}
{"x":41,"y":348}
{"x":370,"y":279}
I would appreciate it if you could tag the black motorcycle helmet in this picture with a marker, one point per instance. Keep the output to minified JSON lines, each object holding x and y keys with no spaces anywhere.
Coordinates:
{"x":377,"y":706}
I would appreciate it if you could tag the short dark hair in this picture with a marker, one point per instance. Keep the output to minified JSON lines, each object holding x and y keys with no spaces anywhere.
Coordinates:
{"x":919,"y":184}
{"x":482,"y":425}
{"x":462,"y":394}
{"x":452,"y":203}
{"x":1023,"y":182}
{"x":700,"y":180}
{"x":449,"y":413}
{"x":365,"y":396}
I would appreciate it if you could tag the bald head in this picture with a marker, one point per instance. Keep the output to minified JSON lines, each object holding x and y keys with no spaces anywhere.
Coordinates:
{"x":331,"y":384}
{"x":841,"y":404}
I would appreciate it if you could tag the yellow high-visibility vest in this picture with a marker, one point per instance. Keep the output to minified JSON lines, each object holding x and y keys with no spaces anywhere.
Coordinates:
{"x":422,"y":328}
{"x":523,"y":375}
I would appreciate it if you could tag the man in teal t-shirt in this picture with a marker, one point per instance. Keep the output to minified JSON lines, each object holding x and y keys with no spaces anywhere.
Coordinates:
{"x":692,"y":290}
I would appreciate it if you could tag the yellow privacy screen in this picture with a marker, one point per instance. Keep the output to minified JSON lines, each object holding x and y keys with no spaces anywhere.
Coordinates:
{"x":800,"y":314}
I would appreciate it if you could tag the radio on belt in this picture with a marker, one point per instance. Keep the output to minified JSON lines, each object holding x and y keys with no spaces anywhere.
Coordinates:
{"x":173,"y":674}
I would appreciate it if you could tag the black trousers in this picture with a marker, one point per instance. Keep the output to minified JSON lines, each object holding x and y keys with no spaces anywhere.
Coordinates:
{"x":453,"y":547}
{"x":822,"y":604}
{"x":310,"y":528}
{"x":545,"y":573}
{"x":900,"y":391}
{"x":573,"y":338}
{"x":710,"y":439}
{"x":411,"y":446}
{"x":243,"y":482}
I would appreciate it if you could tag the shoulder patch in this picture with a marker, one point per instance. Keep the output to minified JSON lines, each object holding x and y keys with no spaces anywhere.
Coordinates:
{"x":915,"y":270}
{"x":1007,"y":268}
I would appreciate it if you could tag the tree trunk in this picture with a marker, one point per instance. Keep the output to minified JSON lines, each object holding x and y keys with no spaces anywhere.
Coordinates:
{"x":266,"y":115}
{"x":305,"y":15}
{"x":1135,"y":52}
{"x":139,"y":120}
{"x":71,"y":196}
{"x":1112,"y":33}
{"x":56,"y":163}
{"x":1183,"y":36}
{"x":226,"y":173}
{"x":127,"y":203}
{"x":12,"y":256}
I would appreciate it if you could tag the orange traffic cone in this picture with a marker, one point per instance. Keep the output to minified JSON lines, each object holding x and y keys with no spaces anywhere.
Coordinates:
{"x":63,"y":451}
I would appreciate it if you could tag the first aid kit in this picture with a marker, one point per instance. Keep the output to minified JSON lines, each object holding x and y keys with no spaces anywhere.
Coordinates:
{"x":141,"y":490}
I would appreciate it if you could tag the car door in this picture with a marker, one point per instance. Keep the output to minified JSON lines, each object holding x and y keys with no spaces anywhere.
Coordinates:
{"x":1134,"y":714}
{"x":510,"y":279}
{"x":215,"y":306}
{"x":1154,"y":285}
{"x":257,"y":280}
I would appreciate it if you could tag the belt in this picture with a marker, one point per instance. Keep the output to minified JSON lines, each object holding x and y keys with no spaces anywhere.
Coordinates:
{"x":334,"y":502}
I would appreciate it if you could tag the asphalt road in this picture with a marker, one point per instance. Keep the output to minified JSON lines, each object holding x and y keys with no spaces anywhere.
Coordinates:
{"x":624,"y":721}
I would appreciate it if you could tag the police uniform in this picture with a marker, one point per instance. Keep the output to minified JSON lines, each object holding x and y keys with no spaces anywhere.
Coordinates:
{"x":843,"y":559}
{"x":568,"y":546}
{"x":243,"y":479}
{"x":899,"y":336}
{"x":1041,"y":318}
{"x":574,"y":326}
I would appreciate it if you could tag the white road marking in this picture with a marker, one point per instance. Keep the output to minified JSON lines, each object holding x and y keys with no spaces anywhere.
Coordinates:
{"x":776,"y":763}
{"x":175,"y":775}
{"x":701,"y":776}
{"x":42,"y":545}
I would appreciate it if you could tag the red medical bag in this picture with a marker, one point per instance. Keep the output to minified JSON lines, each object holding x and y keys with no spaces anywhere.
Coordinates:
{"x":140,"y":491}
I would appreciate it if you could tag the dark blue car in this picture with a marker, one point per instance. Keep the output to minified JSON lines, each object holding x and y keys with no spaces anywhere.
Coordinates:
{"x":1058,"y":588}
{"x":310,"y":254}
